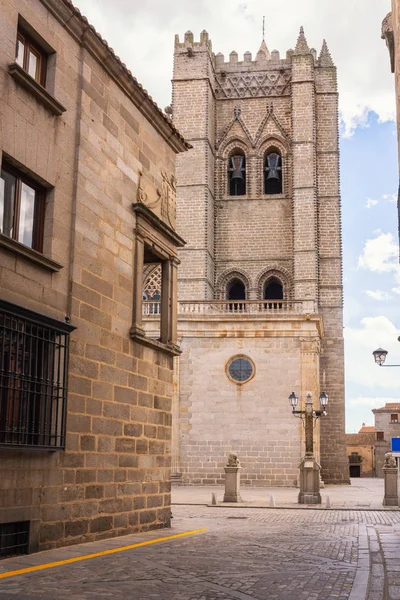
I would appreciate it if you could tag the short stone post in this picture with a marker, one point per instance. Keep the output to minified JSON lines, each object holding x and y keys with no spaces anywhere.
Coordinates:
{"x":232,"y":479}
{"x":390,"y":474}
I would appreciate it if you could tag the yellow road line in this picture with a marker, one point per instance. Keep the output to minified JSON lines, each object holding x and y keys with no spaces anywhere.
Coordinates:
{"x":97,"y":554}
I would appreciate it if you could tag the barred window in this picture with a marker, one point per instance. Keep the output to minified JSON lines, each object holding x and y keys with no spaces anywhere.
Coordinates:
{"x":33,"y":378}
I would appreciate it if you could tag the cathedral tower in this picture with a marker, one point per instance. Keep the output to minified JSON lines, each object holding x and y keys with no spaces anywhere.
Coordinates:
{"x":260,"y":280}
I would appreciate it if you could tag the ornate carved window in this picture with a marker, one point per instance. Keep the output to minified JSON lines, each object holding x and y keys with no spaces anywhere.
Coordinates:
{"x":272,"y":172}
{"x":237,"y":173}
{"x":152,"y":291}
{"x":155,"y":254}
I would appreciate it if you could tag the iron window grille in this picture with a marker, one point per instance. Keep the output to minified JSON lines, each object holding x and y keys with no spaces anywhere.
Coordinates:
{"x":33,"y":379}
{"x":14,"y":539}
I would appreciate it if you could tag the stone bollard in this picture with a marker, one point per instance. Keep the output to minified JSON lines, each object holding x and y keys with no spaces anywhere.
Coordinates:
{"x":390,"y":473}
{"x":232,"y":480}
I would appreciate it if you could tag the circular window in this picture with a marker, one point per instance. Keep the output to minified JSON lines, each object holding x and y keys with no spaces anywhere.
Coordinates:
{"x":240,"y":369}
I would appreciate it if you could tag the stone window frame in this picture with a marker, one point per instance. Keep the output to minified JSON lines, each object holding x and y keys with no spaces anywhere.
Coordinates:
{"x":151,"y":234}
{"x":231,"y":360}
{"x":42,"y":87}
{"x":274,"y":273}
{"x":222,"y":172}
{"x":40,"y":255}
{"x":267,"y":145}
{"x":226,"y":278}
{"x":394,"y":417}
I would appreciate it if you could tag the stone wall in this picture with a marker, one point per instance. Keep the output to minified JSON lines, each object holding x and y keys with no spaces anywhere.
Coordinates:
{"x":289,"y":104}
{"x":114,"y":476}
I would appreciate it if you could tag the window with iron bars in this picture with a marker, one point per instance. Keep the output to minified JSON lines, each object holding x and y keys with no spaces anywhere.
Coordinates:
{"x":33,"y":378}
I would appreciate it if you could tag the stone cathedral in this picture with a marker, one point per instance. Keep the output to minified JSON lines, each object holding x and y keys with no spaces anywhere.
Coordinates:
{"x":260,"y":279}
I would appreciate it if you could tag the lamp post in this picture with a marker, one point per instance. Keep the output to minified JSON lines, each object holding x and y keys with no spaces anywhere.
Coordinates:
{"x":309,"y":467}
{"x":380,"y":357}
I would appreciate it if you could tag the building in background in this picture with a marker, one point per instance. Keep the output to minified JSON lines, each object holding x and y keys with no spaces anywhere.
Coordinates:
{"x":387,"y":426}
{"x":361,"y":452}
{"x":260,"y":281}
{"x":391,"y":34}
{"x":87,"y":201}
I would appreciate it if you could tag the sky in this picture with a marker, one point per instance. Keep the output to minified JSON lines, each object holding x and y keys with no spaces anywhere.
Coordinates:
{"x":142,"y":34}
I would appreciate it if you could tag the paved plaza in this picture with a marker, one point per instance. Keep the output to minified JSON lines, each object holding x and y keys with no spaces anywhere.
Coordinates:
{"x":244,"y":553}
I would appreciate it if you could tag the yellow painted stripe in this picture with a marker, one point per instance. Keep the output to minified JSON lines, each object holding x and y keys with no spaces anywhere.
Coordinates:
{"x":68,"y":561}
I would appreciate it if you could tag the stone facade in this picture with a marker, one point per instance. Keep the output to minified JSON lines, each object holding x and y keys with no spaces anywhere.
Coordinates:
{"x":361,"y":452}
{"x":387,"y":426}
{"x":292,"y":237}
{"x":391,"y":34}
{"x":101,"y":151}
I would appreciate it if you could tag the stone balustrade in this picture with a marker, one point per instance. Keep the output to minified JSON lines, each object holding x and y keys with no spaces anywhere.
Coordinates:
{"x":229,"y":307}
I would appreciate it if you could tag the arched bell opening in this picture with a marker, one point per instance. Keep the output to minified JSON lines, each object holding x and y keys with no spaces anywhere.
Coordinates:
{"x":237,"y":173}
{"x":272,"y":172}
{"x":236,"y":290}
{"x":273,"y":291}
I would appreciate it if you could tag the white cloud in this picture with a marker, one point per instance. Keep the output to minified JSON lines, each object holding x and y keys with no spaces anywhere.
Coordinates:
{"x":378,"y":295}
{"x":380,"y":255}
{"x":360,"y":342}
{"x":142,"y":34}
{"x":390,"y":198}
{"x":370,"y":203}
{"x":371,"y":402}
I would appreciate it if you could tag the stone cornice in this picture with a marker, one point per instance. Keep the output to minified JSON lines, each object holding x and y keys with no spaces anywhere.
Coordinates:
{"x":387,"y":35}
{"x":85,"y":34}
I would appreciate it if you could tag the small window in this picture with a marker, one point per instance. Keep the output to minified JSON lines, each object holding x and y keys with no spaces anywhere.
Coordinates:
{"x":394,"y":418}
{"x":21,"y":208}
{"x":14,"y":539}
{"x":237,"y":174}
{"x":273,"y":173}
{"x":31,"y":58}
{"x":33,"y":378}
{"x":380,"y":435}
{"x":240,"y":369}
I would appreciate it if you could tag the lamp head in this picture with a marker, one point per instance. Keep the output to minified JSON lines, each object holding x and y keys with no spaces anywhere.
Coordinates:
{"x":380,"y":356}
{"x":293,"y":400}
{"x":323,"y":399}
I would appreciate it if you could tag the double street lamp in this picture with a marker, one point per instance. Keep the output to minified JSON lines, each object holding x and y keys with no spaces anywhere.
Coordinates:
{"x":309,"y":468}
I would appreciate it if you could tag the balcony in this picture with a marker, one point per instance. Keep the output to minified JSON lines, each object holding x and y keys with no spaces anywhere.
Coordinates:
{"x":228,"y":308}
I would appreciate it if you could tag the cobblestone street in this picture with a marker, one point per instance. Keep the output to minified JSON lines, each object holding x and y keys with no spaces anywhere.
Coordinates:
{"x":246,"y":553}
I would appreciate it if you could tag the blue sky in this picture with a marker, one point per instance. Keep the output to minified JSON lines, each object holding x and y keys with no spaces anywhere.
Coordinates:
{"x":142,"y":34}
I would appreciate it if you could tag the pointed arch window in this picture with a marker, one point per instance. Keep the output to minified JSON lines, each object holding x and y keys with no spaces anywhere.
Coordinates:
{"x":237,"y":173}
{"x":272,"y":172}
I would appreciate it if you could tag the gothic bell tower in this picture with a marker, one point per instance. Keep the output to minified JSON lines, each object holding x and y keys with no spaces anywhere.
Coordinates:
{"x":260,"y":279}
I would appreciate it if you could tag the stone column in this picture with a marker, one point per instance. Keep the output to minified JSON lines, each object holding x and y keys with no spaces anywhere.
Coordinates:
{"x":165,"y":301}
{"x":390,"y":475}
{"x":176,"y":474}
{"x":232,"y":480}
{"x":173,"y":317}
{"x":137,"y":310}
{"x":309,"y":361}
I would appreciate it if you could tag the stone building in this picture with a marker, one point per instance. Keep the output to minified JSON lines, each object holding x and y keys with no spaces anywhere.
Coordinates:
{"x":361,"y":452}
{"x":387,"y":426}
{"x":391,"y":34}
{"x":260,"y":280}
{"x":87,"y":200}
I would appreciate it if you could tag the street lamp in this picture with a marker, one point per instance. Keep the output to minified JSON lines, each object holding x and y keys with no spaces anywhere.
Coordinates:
{"x":309,"y":468}
{"x":380,"y":357}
